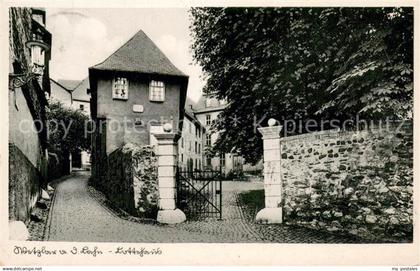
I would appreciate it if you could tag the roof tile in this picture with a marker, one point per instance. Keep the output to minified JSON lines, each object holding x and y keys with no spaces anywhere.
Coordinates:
{"x":139,"y":54}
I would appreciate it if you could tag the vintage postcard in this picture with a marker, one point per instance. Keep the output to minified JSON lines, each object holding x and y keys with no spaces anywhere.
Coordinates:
{"x":236,"y":133}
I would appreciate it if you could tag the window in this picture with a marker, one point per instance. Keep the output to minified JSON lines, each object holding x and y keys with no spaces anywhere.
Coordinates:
{"x":195,"y":147}
{"x":182,"y":142}
{"x":182,"y":157}
{"x":208,"y":139}
{"x":208,"y":160}
{"x":208,"y":120}
{"x":157,"y":91}
{"x":222,"y":160}
{"x":190,"y":147}
{"x":120,"y":88}
{"x":82,"y":107}
{"x":199,"y":148}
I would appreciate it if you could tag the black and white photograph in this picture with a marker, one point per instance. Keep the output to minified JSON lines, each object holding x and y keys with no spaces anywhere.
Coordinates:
{"x":225,"y":125}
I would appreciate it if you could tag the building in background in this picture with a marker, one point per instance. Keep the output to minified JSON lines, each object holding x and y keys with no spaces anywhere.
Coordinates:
{"x":191,"y":143}
{"x":59,"y":93}
{"x":29,"y":55}
{"x":81,"y":96}
{"x":134,"y":92}
{"x":206,"y":110}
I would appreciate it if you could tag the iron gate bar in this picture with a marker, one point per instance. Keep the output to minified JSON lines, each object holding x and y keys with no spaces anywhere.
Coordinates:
{"x":199,"y":201}
{"x":199,"y":193}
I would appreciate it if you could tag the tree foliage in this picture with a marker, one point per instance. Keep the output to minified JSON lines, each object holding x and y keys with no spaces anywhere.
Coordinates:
{"x":301,"y":64}
{"x":66,"y":129}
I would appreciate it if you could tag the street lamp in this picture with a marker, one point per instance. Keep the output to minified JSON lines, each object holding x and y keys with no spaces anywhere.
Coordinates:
{"x":38,"y":48}
{"x":36,"y":69}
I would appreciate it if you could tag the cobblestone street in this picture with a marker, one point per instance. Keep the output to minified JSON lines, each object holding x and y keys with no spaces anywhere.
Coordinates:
{"x":78,"y":216}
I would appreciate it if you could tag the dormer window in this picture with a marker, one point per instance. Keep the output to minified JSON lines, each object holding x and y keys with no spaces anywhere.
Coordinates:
{"x":120,"y":88}
{"x":208,"y":102}
{"x":157,"y":91}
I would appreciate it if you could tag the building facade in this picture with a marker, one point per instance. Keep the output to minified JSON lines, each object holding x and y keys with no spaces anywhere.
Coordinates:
{"x":81,"y":97}
{"x":29,"y":55}
{"x":191,"y":143}
{"x":59,"y":93}
{"x":134,"y":92}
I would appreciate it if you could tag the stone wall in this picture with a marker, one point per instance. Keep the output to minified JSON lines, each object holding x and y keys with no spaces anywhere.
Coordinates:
{"x":352,"y":181}
{"x":131,"y":180}
{"x":25,"y":182}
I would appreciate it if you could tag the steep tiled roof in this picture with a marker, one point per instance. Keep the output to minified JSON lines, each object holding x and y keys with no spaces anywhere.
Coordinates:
{"x":69,"y":84}
{"x":213,"y":104}
{"x":56,"y":84}
{"x":139,"y":54}
{"x":80,"y":92}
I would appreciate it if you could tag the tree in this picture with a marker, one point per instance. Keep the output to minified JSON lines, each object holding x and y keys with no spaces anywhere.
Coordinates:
{"x":67,"y":133}
{"x":302,"y":64}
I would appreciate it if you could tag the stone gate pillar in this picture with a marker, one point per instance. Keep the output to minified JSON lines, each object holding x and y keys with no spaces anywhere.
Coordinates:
{"x":167,"y":152}
{"x":272,"y":213}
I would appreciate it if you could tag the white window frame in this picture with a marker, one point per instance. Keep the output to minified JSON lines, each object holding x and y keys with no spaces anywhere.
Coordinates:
{"x":156,"y":85}
{"x":222,"y":160}
{"x":120,"y":84}
{"x":208,"y":139}
{"x":208,"y":119}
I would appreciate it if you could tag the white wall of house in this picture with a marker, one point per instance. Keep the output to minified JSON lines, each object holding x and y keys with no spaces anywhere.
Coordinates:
{"x":190,"y":145}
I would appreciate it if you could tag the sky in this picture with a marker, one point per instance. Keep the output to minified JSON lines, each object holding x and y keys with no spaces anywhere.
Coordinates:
{"x":82,"y":38}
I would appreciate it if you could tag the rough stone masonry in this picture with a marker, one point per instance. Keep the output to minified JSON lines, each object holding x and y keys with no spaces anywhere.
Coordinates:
{"x":352,"y":181}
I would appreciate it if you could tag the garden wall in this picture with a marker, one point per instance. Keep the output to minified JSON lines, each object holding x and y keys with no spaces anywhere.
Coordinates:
{"x":130,"y":181}
{"x":352,"y":181}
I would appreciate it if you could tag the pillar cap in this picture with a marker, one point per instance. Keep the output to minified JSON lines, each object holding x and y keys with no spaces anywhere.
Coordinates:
{"x":167,"y":136}
{"x":271,"y":131}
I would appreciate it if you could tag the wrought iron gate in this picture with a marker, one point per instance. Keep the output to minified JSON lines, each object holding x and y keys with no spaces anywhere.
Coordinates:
{"x":199,"y":193}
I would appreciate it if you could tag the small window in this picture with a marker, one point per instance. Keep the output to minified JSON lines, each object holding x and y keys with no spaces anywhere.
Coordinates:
{"x":208,"y":120}
{"x":208,"y":160}
{"x":157,"y":91}
{"x":222,"y":160}
{"x":182,"y":142}
{"x":199,"y":148}
{"x":120,"y":88}
{"x":82,"y":107}
{"x":208,"y":102}
{"x":208,"y":139}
